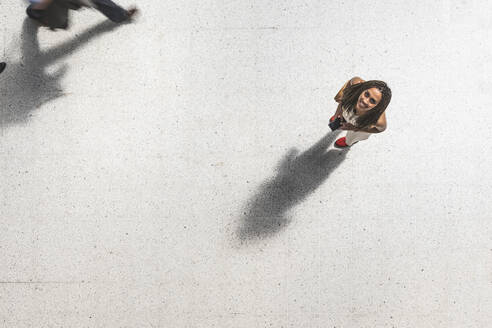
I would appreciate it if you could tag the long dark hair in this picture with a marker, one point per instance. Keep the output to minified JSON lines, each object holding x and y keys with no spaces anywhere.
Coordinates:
{"x":352,"y":93}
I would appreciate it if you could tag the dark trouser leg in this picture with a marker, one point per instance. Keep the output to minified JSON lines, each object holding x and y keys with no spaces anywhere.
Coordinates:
{"x":111,"y":10}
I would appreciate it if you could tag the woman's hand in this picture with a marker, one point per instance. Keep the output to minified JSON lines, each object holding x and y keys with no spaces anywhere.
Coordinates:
{"x":348,"y":126}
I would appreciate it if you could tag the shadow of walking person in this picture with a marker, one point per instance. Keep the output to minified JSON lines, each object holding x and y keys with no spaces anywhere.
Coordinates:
{"x":297,"y":177}
{"x":26,"y":85}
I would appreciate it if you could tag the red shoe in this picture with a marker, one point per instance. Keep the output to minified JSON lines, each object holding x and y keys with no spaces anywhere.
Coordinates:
{"x":341,"y":143}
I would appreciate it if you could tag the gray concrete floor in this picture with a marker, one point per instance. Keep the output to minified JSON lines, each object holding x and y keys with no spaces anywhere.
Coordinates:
{"x":177,"y":172}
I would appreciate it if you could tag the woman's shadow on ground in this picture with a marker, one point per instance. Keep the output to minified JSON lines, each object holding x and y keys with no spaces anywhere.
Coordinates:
{"x":298,"y":175}
{"x":26,"y":85}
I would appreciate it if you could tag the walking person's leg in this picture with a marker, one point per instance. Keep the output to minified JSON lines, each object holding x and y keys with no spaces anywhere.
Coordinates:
{"x":351,"y":138}
{"x":355,"y":136}
{"x":113,"y":11}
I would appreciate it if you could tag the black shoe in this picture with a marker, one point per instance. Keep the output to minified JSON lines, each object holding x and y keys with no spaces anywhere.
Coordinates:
{"x":2,"y":67}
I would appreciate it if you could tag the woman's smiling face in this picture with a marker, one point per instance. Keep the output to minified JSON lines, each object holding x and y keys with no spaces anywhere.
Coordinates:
{"x":368,"y":99}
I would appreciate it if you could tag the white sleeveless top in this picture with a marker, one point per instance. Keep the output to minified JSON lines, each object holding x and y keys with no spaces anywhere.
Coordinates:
{"x":349,"y":116}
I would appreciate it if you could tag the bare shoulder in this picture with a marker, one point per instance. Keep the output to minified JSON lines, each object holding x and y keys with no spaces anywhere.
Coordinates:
{"x":356,"y":80}
{"x":350,"y":82}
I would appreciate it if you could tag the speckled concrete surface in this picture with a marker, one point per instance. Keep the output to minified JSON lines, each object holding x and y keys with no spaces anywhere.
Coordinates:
{"x":177,"y":172}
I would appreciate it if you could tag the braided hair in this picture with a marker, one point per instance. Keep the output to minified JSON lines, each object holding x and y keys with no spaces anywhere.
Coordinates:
{"x":352,"y":93}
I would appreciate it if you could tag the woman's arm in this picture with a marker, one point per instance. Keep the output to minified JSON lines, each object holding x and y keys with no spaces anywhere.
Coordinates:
{"x":338,"y":113}
{"x":339,"y":95}
{"x":381,"y":123}
{"x":352,"y":81}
